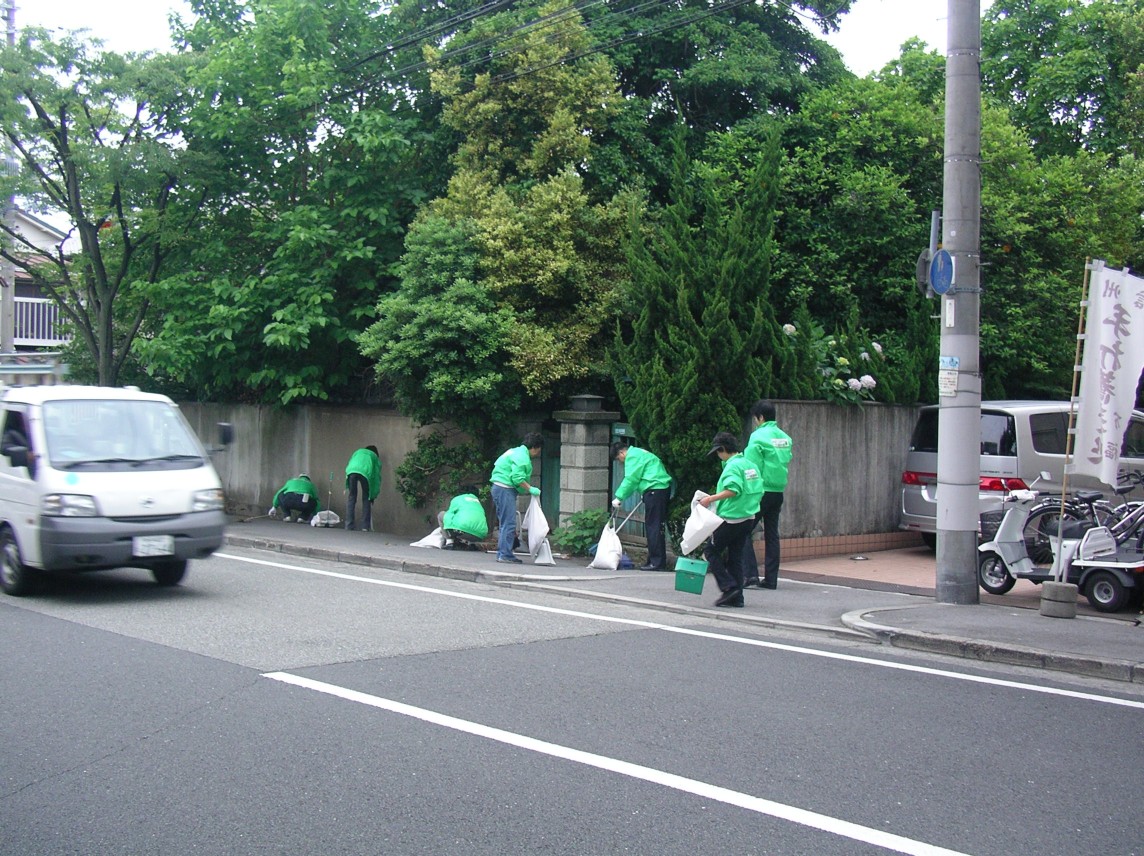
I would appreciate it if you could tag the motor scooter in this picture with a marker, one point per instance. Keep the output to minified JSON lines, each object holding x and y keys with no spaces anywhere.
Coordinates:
{"x":1110,"y":575}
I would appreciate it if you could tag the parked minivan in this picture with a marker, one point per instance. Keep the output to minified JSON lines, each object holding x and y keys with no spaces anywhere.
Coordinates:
{"x":93,"y":478}
{"x":1019,"y":440}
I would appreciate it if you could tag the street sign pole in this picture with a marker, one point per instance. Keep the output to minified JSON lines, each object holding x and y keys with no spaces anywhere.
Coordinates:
{"x":955,"y":277}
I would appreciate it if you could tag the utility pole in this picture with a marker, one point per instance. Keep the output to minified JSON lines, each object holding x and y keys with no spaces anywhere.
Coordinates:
{"x":957,"y":279}
{"x":7,"y":269}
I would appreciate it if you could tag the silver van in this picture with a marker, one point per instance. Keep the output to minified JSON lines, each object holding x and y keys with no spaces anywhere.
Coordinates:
{"x":1019,"y":439}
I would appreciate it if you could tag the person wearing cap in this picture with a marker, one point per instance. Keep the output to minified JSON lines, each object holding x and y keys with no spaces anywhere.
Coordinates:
{"x":363,"y":476}
{"x":736,"y":500}
{"x":464,"y":522}
{"x":510,"y":478}
{"x":769,"y":448}
{"x":297,"y":497}
{"x":645,"y":473}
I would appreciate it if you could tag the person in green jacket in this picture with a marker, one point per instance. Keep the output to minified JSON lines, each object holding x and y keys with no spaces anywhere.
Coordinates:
{"x":736,"y":500}
{"x":363,"y":475}
{"x":464,"y":521}
{"x":511,"y":475}
{"x":770,"y":449}
{"x":645,"y":473}
{"x":298,"y":496}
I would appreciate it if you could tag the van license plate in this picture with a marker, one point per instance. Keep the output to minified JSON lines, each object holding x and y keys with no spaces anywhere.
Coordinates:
{"x":153,"y":545}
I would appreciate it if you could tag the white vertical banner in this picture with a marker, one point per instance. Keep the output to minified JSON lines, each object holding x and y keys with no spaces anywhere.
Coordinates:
{"x":1112,"y":362}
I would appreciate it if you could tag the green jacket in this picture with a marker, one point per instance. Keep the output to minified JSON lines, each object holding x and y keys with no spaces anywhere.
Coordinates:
{"x":643,"y":471}
{"x":512,"y":468}
{"x":466,"y":514}
{"x":302,"y":486}
{"x":770,"y":450}
{"x":742,"y":477}
{"x":365,"y":463}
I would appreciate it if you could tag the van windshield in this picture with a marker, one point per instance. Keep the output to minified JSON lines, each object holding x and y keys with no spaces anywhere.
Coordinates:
{"x":92,"y":434}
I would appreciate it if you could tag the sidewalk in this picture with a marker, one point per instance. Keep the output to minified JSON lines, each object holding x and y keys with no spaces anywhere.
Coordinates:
{"x":881,"y":597}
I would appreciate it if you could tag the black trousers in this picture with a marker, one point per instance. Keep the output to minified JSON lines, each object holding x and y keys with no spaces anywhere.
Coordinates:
{"x":655,"y":513}
{"x":301,"y":504}
{"x":768,"y":513}
{"x":724,"y":553}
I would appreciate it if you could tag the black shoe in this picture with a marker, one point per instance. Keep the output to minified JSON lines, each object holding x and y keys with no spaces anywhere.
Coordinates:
{"x":652,"y":568}
{"x":753,"y":581}
{"x":729,"y":597}
{"x":512,"y":560}
{"x":767,"y":585}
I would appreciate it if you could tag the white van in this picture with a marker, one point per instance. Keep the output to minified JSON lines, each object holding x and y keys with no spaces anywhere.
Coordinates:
{"x":95,"y":477}
{"x":1019,"y":440}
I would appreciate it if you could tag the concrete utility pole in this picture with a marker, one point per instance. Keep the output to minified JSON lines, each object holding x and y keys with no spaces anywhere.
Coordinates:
{"x":957,"y":278}
{"x":7,"y":269}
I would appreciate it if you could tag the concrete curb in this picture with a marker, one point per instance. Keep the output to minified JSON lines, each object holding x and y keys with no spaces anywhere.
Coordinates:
{"x":975,"y":649}
{"x":352,"y":557}
{"x":733,"y":616}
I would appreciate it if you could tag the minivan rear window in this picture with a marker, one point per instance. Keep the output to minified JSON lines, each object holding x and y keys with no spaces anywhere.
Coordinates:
{"x":998,"y":434}
{"x":1050,"y":432}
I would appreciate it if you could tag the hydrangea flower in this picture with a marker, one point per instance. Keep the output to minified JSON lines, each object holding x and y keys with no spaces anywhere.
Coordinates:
{"x":876,"y":347}
{"x":867,"y":382}
{"x":789,"y":329}
{"x":854,"y":384}
{"x":864,"y":356}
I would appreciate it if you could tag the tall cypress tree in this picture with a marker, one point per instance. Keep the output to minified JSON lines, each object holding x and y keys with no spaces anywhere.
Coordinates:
{"x":704,"y":343}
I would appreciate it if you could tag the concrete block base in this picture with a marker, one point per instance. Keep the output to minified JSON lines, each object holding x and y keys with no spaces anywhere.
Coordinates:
{"x":1058,"y":600}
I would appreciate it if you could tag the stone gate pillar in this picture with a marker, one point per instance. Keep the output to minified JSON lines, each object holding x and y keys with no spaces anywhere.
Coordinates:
{"x":585,"y":435}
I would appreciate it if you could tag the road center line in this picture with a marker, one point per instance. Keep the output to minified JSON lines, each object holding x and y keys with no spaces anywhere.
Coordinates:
{"x":803,"y":817}
{"x":704,"y":634}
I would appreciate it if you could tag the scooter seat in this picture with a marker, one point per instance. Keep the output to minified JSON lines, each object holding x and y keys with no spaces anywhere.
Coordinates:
{"x":1076,"y":528}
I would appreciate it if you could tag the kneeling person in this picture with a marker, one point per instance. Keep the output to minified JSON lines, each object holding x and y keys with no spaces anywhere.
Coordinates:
{"x":464,"y":522}
{"x":297,"y":497}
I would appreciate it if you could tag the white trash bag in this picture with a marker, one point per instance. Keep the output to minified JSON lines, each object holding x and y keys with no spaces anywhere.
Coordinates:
{"x":544,"y":554}
{"x":699,"y":526}
{"x":325,"y":519}
{"x":609,"y":551}
{"x":435,"y":540}
{"x":536,"y":525}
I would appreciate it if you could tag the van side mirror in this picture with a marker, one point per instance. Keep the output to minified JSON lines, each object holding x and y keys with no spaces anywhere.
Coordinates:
{"x":1046,"y":475}
{"x":225,"y":433}
{"x":18,"y":455}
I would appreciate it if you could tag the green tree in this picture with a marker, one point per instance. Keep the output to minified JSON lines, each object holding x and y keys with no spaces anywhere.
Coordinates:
{"x":703,"y":344}
{"x":298,"y":235}
{"x":442,"y":344}
{"x":89,"y":131}
{"x":1069,"y":70}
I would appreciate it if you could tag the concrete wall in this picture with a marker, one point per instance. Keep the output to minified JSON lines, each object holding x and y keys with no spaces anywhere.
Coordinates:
{"x":844,"y":477}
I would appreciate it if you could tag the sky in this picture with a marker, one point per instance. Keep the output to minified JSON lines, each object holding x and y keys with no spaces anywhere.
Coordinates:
{"x":871,"y":33}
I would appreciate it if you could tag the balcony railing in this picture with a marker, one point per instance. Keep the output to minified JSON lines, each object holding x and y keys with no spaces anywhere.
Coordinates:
{"x":36,"y":323}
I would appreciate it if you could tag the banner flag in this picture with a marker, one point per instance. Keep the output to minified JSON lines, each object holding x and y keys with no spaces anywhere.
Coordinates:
{"x":1112,"y":362}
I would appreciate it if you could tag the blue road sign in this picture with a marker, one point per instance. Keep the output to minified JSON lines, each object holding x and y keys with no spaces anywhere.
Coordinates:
{"x":941,"y":272}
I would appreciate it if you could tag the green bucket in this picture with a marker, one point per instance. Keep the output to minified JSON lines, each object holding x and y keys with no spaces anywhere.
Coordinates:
{"x":690,"y":574}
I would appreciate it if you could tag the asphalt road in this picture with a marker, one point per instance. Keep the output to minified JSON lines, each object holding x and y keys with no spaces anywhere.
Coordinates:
{"x":288,"y":706}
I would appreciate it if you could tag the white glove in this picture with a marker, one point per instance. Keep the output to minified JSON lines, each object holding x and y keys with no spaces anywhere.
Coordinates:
{"x":615,"y":503}
{"x":273,"y":512}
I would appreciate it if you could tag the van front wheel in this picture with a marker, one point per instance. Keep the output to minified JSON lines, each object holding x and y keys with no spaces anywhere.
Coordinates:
{"x":16,"y":578}
{"x":170,"y":573}
{"x":992,"y":574}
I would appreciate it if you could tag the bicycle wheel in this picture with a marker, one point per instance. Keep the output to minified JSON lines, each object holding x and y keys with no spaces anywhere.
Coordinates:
{"x":1044,"y":522}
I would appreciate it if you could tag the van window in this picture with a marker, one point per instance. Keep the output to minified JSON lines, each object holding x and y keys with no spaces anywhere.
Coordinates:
{"x":1133,"y":440}
{"x":998,"y":434}
{"x":924,"y":438}
{"x":115,"y":434}
{"x":1050,"y":432}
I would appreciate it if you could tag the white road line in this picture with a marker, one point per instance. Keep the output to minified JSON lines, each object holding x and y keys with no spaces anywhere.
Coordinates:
{"x":704,"y":790}
{"x":704,"y":634}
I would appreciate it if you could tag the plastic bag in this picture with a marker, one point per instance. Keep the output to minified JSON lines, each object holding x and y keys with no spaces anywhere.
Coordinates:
{"x":699,"y":526}
{"x":608,"y":551}
{"x":435,"y":539}
{"x":536,"y":524}
{"x":325,"y":519}
{"x":544,"y":554}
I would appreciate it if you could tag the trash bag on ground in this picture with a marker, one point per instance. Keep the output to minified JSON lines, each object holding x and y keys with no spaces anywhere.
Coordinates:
{"x":435,"y":539}
{"x":544,"y":554}
{"x":609,"y":550}
{"x":325,"y":519}
{"x":536,"y":525}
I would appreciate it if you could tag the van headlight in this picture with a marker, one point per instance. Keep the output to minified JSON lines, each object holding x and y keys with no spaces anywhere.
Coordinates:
{"x":207,"y":500}
{"x":69,"y":505}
